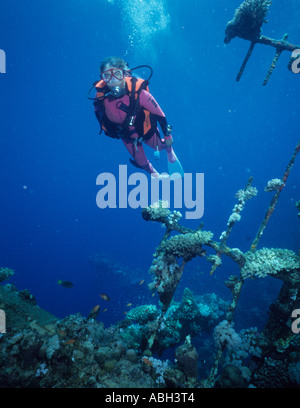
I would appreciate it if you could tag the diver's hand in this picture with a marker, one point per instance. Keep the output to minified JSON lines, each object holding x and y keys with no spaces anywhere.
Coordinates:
{"x":169,"y":141}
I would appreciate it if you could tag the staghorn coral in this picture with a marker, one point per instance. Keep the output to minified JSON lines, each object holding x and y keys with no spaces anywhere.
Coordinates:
{"x":247,"y":20}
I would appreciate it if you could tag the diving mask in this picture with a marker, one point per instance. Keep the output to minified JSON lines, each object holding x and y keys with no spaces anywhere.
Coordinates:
{"x":113,"y":73}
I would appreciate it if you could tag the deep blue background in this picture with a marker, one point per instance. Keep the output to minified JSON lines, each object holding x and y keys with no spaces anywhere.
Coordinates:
{"x":51,"y":153}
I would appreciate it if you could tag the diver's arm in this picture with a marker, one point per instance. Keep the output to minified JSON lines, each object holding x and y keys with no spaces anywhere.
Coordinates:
{"x":149,"y":103}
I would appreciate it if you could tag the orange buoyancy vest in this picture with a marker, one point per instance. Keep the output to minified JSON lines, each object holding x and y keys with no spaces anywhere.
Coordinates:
{"x":140,"y":118}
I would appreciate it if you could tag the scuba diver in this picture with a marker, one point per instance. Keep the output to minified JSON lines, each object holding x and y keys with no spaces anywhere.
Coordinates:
{"x":126,"y":110}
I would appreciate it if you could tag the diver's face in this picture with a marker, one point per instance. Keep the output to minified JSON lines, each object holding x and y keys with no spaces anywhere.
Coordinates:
{"x":113,"y":77}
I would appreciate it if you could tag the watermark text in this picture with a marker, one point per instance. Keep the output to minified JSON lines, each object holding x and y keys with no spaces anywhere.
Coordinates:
{"x":296,"y":62}
{"x":2,"y":321}
{"x":180,"y":192}
{"x":296,"y":323}
{"x":2,"y":62}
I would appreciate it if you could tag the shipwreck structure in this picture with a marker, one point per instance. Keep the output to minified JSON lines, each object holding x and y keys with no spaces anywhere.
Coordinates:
{"x":175,"y":251}
{"x":246,"y":24}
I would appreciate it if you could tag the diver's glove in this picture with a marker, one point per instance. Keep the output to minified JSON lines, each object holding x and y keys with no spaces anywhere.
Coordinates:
{"x":168,"y":136}
{"x":169,"y":140}
{"x":166,"y":129}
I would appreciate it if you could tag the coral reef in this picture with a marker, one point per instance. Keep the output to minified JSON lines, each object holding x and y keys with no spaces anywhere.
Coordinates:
{"x":238,"y":345}
{"x":5,"y":273}
{"x":274,"y":185}
{"x":232,"y":377}
{"x":143,"y":313}
{"x":191,"y":316}
{"x":282,"y":264}
{"x":187,"y":358}
{"x":275,"y":262}
{"x":247,"y":20}
{"x":72,"y":352}
{"x":21,"y":309}
{"x":165,"y":267}
{"x":39,"y":350}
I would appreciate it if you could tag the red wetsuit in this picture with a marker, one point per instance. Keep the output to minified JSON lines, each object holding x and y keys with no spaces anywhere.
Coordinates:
{"x":117,"y":115}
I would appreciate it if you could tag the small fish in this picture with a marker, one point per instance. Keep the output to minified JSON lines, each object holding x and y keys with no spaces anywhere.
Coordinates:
{"x":147,"y":361}
{"x":141,"y":282}
{"x":94,"y":312}
{"x":95,"y":309}
{"x":65,"y":284}
{"x":129,"y":304}
{"x":104,"y":297}
{"x":104,"y":310}
{"x":72,"y":341}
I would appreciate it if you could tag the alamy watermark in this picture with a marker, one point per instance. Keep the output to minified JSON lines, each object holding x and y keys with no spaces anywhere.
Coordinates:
{"x":2,"y":321}
{"x":2,"y":62}
{"x":187,"y":192}
{"x":296,"y":62}
{"x":296,"y":323}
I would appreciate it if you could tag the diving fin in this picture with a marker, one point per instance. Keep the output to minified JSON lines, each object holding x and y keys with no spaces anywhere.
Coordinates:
{"x":175,"y":166}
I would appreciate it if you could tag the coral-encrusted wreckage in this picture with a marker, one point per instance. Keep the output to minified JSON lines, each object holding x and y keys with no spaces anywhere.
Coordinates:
{"x":39,"y":350}
{"x":246,"y":24}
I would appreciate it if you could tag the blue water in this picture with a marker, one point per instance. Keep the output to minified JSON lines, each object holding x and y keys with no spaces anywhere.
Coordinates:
{"x":51,"y":153}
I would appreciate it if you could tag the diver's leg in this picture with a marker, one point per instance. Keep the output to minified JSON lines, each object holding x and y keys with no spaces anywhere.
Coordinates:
{"x":156,"y":144}
{"x":139,"y":156}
